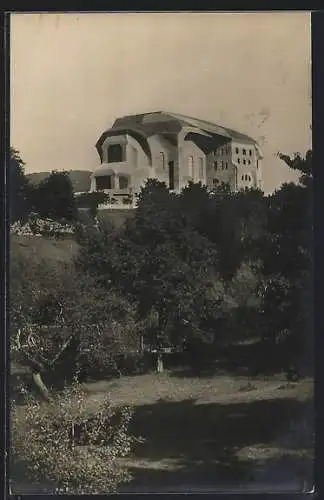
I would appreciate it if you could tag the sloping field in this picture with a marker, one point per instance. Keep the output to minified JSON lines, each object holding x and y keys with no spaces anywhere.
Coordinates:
{"x":36,"y":248}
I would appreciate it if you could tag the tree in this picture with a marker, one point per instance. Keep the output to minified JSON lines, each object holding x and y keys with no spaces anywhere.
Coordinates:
{"x":54,"y":197}
{"x":62,"y":321}
{"x":19,"y":187}
{"x":161,"y":264}
{"x":287,"y":296}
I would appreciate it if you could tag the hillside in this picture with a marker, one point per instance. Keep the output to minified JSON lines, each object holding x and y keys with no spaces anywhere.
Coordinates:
{"x":80,"y":179}
{"x":56,"y":252}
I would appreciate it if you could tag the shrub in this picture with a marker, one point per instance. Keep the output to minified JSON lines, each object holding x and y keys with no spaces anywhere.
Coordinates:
{"x":48,"y":438}
{"x":91,"y":201}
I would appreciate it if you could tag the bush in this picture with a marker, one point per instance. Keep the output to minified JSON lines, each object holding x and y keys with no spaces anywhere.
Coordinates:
{"x":48,"y":438}
{"x":91,"y":201}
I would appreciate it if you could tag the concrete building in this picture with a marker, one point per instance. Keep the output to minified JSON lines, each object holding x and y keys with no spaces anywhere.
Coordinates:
{"x":174,"y":149}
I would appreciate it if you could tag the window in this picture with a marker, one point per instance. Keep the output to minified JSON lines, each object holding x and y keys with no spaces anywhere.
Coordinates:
{"x":246,"y":177}
{"x":215,"y":165}
{"x":226,"y":166}
{"x":250,"y":152}
{"x":244,"y":151}
{"x":162,"y":160}
{"x":104,"y":182}
{"x":135,"y":157}
{"x":250,"y":178}
{"x":115,"y":153}
{"x":123,"y":181}
{"x":215,"y":182}
{"x":190,"y":166}
{"x":238,"y":160}
{"x":249,"y":162}
{"x":244,"y":162}
{"x":222,"y":163}
{"x":201,"y":168}
{"x":237,"y":151}
{"x":242,"y":177}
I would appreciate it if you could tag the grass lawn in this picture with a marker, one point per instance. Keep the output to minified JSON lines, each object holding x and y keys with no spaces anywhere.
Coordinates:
{"x":37,"y":249}
{"x":214,"y":432}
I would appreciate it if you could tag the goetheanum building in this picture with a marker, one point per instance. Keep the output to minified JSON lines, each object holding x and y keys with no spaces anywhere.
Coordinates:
{"x":174,"y":149}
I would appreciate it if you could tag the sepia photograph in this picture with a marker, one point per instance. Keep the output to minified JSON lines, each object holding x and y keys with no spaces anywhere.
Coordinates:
{"x":161,"y":253}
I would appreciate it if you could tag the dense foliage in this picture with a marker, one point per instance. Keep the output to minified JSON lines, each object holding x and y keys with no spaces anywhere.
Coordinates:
{"x":216,"y":267}
{"x":52,"y":198}
{"x":19,"y":187}
{"x":197,"y":272}
{"x":65,"y":443}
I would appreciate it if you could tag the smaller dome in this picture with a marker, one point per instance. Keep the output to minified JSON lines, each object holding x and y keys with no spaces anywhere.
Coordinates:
{"x":104,"y":170}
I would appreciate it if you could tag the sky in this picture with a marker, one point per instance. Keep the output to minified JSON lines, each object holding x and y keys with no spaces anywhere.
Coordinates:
{"x":72,"y":75}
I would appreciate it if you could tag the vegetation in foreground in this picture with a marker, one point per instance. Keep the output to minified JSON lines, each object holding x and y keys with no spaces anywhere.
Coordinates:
{"x":198,"y":273}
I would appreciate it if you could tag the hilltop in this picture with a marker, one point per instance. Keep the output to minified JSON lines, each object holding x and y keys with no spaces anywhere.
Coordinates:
{"x":80,"y":179}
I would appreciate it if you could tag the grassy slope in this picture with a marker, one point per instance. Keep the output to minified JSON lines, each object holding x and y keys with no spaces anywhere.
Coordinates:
{"x":55,"y":251}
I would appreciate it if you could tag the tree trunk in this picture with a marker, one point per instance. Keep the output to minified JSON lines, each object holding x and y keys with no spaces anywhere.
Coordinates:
{"x":41,"y":386}
{"x":160,"y":366}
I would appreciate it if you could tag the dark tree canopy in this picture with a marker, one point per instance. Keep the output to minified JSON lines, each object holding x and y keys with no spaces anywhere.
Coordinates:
{"x":54,"y":197}
{"x":19,"y":187}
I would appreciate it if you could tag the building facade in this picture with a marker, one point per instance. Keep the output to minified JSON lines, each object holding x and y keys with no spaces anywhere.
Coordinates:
{"x":174,"y":149}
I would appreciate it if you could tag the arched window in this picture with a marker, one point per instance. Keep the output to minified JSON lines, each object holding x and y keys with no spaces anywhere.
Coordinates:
{"x":215,"y":165}
{"x":115,"y":153}
{"x":190,"y":166}
{"x":123,"y":181}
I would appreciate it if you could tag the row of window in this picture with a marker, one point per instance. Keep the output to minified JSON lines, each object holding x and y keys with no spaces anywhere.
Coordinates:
{"x":227,"y":150}
{"x":244,"y":151}
{"x":244,"y":161}
{"x":107,"y":182}
{"x":222,"y":164}
{"x":246,"y":178}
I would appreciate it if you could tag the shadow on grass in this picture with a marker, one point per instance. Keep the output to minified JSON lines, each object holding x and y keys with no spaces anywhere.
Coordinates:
{"x":200,"y":442}
{"x":240,"y":359}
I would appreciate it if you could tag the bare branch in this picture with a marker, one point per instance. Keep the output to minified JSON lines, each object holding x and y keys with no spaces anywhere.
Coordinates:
{"x":63,"y":348}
